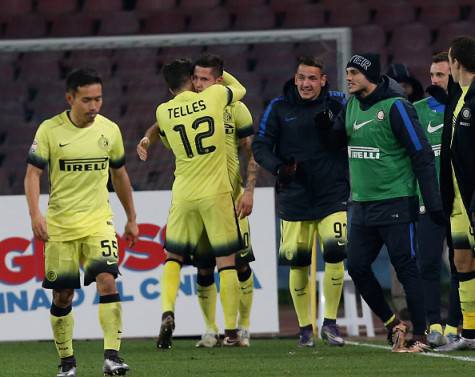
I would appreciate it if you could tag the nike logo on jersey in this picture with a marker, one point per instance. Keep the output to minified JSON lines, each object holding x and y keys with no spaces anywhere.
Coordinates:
{"x":340,"y":243}
{"x":110,"y":263}
{"x":63,"y":145}
{"x":299,"y":289}
{"x":357,"y":126}
{"x":431,"y":129}
{"x":289,"y":119}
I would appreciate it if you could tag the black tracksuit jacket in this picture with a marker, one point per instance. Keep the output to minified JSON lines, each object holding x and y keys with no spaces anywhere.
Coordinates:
{"x":287,"y":131}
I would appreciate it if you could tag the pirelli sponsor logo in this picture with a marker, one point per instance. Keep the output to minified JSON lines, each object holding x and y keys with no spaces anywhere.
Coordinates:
{"x":84,"y":164}
{"x":365,"y":153}
{"x":436,"y":149}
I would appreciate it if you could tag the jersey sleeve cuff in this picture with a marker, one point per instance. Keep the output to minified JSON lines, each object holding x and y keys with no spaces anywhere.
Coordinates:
{"x":230,"y":95}
{"x":245,"y":131}
{"x":36,"y":161}
{"x":117,"y":164}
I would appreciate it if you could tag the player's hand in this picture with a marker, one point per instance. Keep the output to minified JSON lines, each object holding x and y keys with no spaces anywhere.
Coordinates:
{"x":131,"y":232}
{"x":39,"y":227}
{"x":245,"y":204}
{"x":286,"y":173}
{"x":142,"y":148}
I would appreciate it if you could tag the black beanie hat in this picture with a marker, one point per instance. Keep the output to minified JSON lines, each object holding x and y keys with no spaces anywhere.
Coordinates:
{"x":368,"y":65}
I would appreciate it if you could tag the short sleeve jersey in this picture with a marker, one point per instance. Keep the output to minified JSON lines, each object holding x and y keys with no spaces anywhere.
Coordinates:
{"x":193,"y":125}
{"x":78,"y":160}
{"x":238,"y":125}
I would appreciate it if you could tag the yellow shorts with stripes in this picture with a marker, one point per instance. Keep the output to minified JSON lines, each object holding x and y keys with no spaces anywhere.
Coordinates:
{"x":212,"y":217}
{"x":297,"y":238}
{"x":97,"y":253}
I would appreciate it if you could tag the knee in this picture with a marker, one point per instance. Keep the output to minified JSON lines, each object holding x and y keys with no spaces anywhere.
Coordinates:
{"x":63,"y":298}
{"x":106,"y":284}
{"x":463,"y":263}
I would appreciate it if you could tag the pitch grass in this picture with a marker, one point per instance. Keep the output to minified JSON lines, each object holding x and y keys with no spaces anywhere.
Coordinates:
{"x":272,"y":357}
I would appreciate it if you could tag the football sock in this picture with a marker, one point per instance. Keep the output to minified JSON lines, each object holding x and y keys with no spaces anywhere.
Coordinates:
{"x":450,"y":330}
{"x":246,"y":283}
{"x":229,"y":293}
{"x":391,"y":322}
{"x":332,"y":287}
{"x":436,"y":327}
{"x":110,"y":318}
{"x":170,"y":285}
{"x":62,"y":323}
{"x":207,"y":296}
{"x":467,"y":303}
{"x":298,"y":284}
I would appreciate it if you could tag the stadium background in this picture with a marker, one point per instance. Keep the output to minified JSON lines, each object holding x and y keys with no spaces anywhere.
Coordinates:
{"x":32,"y":83}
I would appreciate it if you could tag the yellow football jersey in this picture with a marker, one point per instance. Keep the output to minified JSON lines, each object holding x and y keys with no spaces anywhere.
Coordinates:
{"x":193,"y":125}
{"x":237,"y":124}
{"x":79,"y":161}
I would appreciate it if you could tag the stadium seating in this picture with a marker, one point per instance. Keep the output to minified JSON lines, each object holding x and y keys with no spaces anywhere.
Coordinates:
{"x":406,"y":31}
{"x":56,"y":7}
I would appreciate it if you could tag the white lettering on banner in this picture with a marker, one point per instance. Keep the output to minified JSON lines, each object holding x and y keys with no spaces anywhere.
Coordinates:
{"x":24,"y":305}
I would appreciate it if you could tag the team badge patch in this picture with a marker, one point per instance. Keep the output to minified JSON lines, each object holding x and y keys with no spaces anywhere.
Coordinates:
{"x":380,"y":115}
{"x":466,"y":114}
{"x":34,"y":146}
{"x":104,"y":143}
{"x":51,"y":276}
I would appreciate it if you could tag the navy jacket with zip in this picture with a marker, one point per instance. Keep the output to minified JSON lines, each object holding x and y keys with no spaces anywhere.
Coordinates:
{"x":287,"y":132}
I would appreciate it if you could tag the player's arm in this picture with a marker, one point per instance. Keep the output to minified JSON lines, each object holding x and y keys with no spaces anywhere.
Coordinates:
{"x":150,"y":138}
{"x":121,"y":182}
{"x":267,"y":138}
{"x":236,"y":90}
{"x":406,"y":128}
{"x":332,"y":129}
{"x":246,"y":202}
{"x":32,"y":192}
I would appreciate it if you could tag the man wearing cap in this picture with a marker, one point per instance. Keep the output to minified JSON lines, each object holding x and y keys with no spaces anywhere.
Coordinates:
{"x":387,"y":152}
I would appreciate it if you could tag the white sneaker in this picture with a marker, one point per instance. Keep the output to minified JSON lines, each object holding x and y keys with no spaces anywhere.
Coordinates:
{"x":457,"y":345}
{"x":208,"y":340}
{"x":245,"y":336}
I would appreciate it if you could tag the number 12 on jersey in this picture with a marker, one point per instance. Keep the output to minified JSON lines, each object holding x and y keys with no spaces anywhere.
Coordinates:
{"x":200,"y":136}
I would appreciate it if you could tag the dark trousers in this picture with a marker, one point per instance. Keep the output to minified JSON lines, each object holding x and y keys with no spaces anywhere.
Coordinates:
{"x":454,"y":316}
{"x":430,"y":242}
{"x":364,"y":245}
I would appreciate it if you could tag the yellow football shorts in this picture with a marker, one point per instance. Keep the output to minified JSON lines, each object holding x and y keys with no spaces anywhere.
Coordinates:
{"x":297,"y":238}
{"x":97,"y":253}
{"x":212,"y":217}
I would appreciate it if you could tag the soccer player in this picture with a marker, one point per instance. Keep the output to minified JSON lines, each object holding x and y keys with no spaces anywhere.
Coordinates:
{"x":387,"y":151}
{"x":202,"y":205}
{"x":431,"y":236}
{"x":312,"y":190}
{"x":208,"y":70}
{"x":458,"y":180}
{"x":79,"y":146}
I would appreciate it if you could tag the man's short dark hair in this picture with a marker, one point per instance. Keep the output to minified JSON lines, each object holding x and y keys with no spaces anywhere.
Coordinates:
{"x":211,"y":61}
{"x":81,"y":77}
{"x":177,"y":73}
{"x":311,"y":61}
{"x":463,"y":49}
{"x":440,"y":57}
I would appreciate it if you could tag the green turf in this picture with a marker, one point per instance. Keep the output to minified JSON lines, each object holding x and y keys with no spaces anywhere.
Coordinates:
{"x":264,"y":358}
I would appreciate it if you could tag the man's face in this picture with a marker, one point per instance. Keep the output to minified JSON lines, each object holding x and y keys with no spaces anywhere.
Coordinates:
{"x":309,"y":81}
{"x":85,"y":102}
{"x":203,"y":78}
{"x":439,"y":74}
{"x":356,"y":81}
{"x":454,"y":67}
